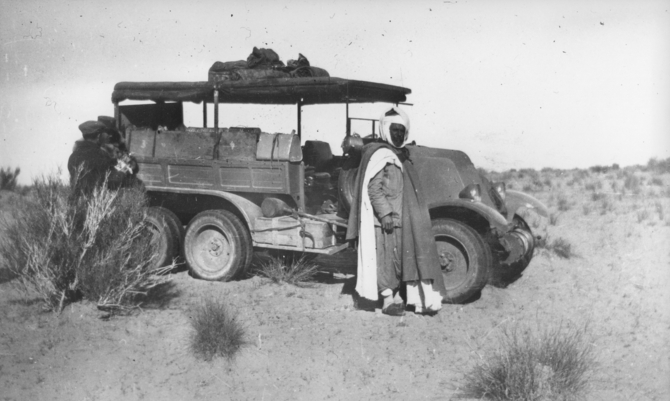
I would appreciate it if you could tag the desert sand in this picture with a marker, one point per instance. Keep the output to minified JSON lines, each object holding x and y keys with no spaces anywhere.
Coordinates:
{"x":313,"y":343}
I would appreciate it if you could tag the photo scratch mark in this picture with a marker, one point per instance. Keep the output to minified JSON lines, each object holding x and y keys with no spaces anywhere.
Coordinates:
{"x":248,"y":30}
{"x":38,"y":33}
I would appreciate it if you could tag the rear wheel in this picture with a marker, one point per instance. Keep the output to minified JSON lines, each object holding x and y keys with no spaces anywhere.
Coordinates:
{"x":167,"y":233}
{"x":465,"y":259}
{"x":217,"y":245}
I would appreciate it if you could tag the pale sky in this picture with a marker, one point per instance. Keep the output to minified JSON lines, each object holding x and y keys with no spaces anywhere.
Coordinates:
{"x":514,"y":84}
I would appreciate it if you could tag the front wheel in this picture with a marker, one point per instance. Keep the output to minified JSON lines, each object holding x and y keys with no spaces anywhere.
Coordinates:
{"x":465,"y":259}
{"x":217,"y":245}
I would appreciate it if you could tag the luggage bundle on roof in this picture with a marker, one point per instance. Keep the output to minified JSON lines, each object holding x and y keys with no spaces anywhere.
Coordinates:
{"x":263,"y":64}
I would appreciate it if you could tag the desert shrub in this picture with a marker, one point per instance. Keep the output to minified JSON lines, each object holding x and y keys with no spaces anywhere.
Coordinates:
{"x":529,"y":172}
{"x":562,"y":248}
{"x":8,"y":178}
{"x":657,"y":181}
{"x":216,"y":331}
{"x":286,"y":269}
{"x":659,"y":166}
{"x":65,"y":247}
{"x":594,"y":185}
{"x":554,"y":364}
{"x":563,"y":203}
{"x":559,"y":247}
{"x":596,"y":196}
{"x":642,"y":215}
{"x":632,"y":182}
{"x":599,"y":169}
{"x":606,"y":206}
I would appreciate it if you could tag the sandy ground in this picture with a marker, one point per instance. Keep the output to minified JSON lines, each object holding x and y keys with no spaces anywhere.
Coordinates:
{"x":311,"y":343}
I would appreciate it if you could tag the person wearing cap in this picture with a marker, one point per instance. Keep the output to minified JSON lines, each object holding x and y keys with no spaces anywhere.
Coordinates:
{"x":117,"y":146}
{"x":90,"y":163}
{"x":392,"y":224}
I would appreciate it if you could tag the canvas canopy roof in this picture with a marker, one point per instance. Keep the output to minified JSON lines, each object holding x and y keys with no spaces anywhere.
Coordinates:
{"x":320,"y":90}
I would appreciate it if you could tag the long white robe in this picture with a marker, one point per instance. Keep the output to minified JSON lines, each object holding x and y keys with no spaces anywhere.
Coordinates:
{"x":366,"y":281}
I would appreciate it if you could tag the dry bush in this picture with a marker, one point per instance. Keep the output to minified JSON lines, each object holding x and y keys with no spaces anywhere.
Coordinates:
{"x":216,"y":331}
{"x":606,"y":206}
{"x":563,"y":203}
{"x":555,"y":364}
{"x":559,"y":247}
{"x":659,"y":166}
{"x":642,"y":215}
{"x":65,"y":247}
{"x":8,"y":178}
{"x":632,"y":183}
{"x":283,"y":269}
{"x":596,"y":196}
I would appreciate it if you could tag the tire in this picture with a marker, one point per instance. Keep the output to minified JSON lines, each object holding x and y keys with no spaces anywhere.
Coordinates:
{"x":217,"y":245}
{"x":168,"y":234}
{"x":465,"y":259}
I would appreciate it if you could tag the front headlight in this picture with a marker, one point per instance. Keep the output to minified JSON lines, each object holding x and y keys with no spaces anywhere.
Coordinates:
{"x":501,"y":189}
{"x":472,"y":193}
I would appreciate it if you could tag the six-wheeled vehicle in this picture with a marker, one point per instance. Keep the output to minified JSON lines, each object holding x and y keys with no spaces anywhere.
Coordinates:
{"x":239,"y":189}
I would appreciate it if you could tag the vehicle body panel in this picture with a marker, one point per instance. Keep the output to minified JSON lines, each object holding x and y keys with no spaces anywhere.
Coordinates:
{"x":516,"y":200}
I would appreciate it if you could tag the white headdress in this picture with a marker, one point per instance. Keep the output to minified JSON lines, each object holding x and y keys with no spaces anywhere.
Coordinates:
{"x":385,"y":125}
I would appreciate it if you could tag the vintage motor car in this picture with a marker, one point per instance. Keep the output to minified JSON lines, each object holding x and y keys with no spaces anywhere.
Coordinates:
{"x":240,"y":189}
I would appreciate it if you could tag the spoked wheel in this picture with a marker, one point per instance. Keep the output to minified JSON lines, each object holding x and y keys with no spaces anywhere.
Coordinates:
{"x":217,"y":245}
{"x":464,"y":259}
{"x":167,"y":234}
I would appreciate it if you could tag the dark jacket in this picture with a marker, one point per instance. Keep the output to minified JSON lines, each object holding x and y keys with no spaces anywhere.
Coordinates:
{"x":95,"y":164}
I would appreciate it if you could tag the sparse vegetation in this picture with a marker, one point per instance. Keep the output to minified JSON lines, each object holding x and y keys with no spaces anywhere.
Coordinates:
{"x":659,"y":209}
{"x":8,"y":178}
{"x":555,"y":364}
{"x":659,"y":166}
{"x":606,"y":206}
{"x":216,"y":331}
{"x":642,"y":215}
{"x":559,"y":246}
{"x":563,"y":203}
{"x":64,"y":248}
{"x":596,"y":196}
{"x":632,"y":183}
{"x":288,"y":270}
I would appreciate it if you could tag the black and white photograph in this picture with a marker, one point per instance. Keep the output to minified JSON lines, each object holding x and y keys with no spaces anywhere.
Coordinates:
{"x":344,"y":200}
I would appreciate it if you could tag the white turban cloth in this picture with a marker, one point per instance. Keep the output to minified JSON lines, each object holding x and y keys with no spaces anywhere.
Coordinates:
{"x":385,"y":125}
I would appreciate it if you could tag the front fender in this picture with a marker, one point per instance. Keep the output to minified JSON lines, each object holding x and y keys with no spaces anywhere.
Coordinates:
{"x":494,"y":218}
{"x":515,"y":200}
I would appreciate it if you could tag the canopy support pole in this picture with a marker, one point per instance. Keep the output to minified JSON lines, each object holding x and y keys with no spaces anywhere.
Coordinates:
{"x":204,"y":114}
{"x":300,"y":119}
{"x":216,"y":109}
{"x":348,"y":121}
